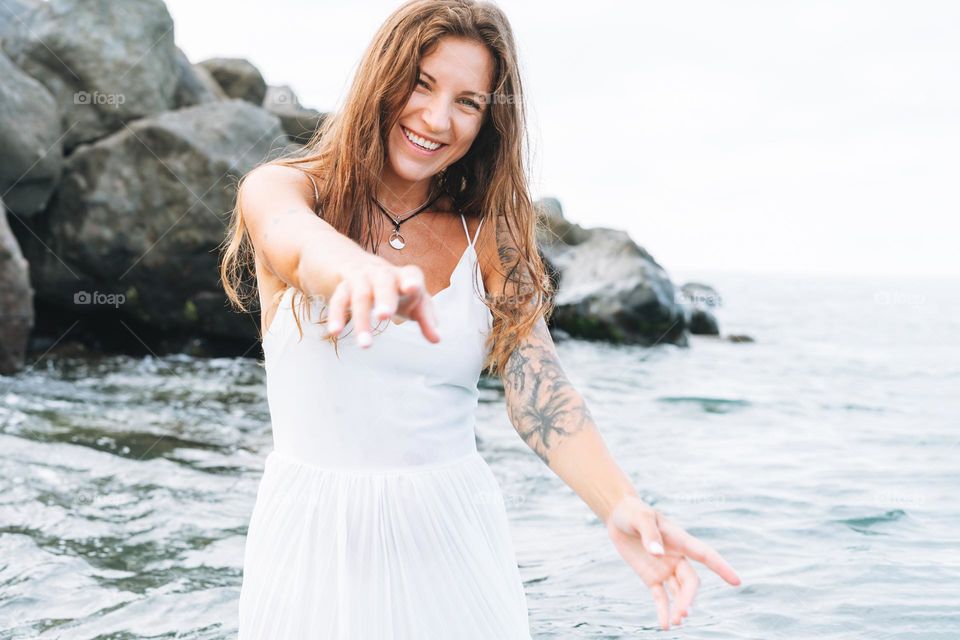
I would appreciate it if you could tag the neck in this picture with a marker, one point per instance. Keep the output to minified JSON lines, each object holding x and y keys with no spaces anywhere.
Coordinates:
{"x":399,"y":195}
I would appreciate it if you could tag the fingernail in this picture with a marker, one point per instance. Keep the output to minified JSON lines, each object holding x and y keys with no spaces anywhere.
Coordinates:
{"x":381,"y":311}
{"x":333,"y":325}
{"x":656,"y":548}
{"x":364,"y":339}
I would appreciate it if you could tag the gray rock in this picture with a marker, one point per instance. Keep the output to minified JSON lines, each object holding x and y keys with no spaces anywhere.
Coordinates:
{"x":16,"y":301}
{"x":238,"y":78}
{"x":558,"y":230}
{"x":106,"y":63}
{"x":698,"y":302}
{"x":609,"y":288}
{"x":29,"y":141}
{"x":280,"y":96}
{"x":195,"y":85}
{"x":140,"y":214}
{"x":299,"y":122}
{"x":702,"y":322}
{"x":15,"y":16}
{"x":701,"y":294}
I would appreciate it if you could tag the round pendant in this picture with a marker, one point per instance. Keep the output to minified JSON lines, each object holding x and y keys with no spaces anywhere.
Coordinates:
{"x":396,"y":241}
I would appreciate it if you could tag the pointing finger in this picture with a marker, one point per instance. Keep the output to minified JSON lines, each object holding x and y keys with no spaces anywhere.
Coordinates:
{"x":427,"y":318}
{"x":337,"y":308}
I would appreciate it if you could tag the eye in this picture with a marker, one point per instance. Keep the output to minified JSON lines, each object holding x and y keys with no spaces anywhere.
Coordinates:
{"x":421,"y":81}
{"x":472,"y":103}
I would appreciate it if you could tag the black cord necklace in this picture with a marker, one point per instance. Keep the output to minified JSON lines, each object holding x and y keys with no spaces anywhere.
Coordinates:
{"x":396,"y":240}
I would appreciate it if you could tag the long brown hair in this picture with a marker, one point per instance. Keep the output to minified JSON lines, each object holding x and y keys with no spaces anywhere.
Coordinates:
{"x":347,"y":153}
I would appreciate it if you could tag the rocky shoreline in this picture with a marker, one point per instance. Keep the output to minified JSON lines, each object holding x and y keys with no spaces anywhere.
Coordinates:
{"x":120,"y":164}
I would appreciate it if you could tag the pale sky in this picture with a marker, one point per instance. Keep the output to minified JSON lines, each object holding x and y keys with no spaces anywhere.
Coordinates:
{"x":762,"y":136}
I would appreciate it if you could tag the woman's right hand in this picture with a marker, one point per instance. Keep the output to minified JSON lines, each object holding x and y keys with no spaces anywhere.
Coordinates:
{"x":371,"y":283}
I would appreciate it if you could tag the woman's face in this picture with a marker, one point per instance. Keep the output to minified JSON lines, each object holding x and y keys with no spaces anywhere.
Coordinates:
{"x":446,"y":108}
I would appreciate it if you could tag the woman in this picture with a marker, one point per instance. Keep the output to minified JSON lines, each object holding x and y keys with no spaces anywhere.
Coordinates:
{"x":374,"y":516}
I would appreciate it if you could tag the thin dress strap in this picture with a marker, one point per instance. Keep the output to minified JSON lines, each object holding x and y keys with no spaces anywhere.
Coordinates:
{"x":466,"y":230}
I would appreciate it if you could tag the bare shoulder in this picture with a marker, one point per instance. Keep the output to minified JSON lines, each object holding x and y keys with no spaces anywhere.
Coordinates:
{"x":265,"y":185}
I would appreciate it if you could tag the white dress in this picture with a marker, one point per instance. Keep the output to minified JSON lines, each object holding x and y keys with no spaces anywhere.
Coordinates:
{"x":376,"y":518}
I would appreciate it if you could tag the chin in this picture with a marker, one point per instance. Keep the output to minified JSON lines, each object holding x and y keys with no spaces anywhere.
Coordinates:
{"x":410,"y":171}
{"x":405,"y":166}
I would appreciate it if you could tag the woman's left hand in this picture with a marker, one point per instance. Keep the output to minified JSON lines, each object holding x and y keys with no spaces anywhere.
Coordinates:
{"x":658,"y":549}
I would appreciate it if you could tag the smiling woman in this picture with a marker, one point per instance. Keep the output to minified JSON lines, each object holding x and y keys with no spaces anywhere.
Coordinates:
{"x":374,"y":516}
{"x":470,"y":60}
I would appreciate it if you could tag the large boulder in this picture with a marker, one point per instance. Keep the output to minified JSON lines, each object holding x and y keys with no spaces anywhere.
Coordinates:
{"x":30,"y":151}
{"x":195,"y":85}
{"x":298,"y":121}
{"x":238,"y":78}
{"x":16,"y":301}
{"x":140,"y":214}
{"x":105,"y":62}
{"x":609,"y":288}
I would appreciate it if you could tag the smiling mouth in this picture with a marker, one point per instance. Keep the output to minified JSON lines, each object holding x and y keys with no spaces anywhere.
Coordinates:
{"x":420,"y":142}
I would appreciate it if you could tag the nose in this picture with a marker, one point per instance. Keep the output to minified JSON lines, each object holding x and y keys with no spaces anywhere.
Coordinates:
{"x":436,"y":115}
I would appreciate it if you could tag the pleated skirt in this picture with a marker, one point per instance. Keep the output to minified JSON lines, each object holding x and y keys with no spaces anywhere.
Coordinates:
{"x":416,"y":553}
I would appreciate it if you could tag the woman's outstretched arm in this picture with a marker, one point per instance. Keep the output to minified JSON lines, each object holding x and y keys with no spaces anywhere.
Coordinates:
{"x":553,"y":419}
{"x":304,"y":251}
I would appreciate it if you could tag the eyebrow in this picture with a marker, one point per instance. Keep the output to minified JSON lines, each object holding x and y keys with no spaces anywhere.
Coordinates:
{"x":432,"y":79}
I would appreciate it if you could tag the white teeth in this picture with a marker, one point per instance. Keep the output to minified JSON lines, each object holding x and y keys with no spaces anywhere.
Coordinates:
{"x":429,"y":146}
